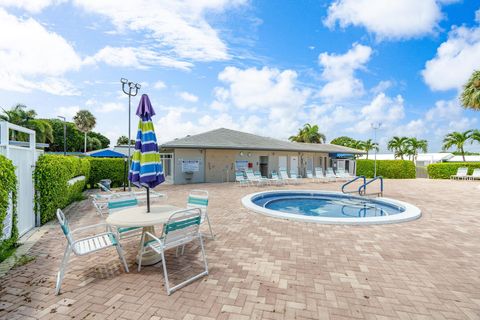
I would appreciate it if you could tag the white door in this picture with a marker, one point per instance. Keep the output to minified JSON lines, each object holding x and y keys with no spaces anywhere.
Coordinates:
{"x":294,"y":164}
{"x":341,"y":164}
{"x":310,"y":164}
{"x":282,"y":162}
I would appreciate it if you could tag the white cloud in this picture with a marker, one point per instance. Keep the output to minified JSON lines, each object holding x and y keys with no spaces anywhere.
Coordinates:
{"x":179,"y":29}
{"x":338,"y":71}
{"x":387,"y":19}
{"x":141,"y":58}
{"x":67,"y":112}
{"x":455,"y":61}
{"x":32,"y":57}
{"x":110,"y":107}
{"x":382,"y":86}
{"x":159,"y":85}
{"x":477,"y":16}
{"x":33,"y":6}
{"x":187,"y":96}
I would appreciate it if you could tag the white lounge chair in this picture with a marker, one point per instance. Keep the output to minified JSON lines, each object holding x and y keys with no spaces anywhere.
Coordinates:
{"x":295,"y":176}
{"x":341,"y":174}
{"x":84,"y":246}
{"x":240,"y":178}
{"x":461,"y":174}
{"x":182,"y":228}
{"x":140,"y":195}
{"x":310,"y":175}
{"x":475,"y":174}
{"x":199,"y":199}
{"x":259,"y":176}
{"x":319,"y":175}
{"x":253,"y":179}
{"x":330,"y":174}
{"x":284,"y":176}
{"x":276,"y":178}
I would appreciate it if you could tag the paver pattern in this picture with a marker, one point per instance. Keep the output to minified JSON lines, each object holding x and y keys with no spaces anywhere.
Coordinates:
{"x":267,"y":268}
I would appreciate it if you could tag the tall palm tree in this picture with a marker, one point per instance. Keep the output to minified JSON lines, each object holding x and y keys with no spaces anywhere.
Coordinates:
{"x":398,"y":145}
{"x":475,"y":135}
{"x":458,"y":140}
{"x":24,"y":117}
{"x":413,"y":145}
{"x":470,"y":97}
{"x":309,"y":134}
{"x":85,"y":122}
{"x":369,"y":145}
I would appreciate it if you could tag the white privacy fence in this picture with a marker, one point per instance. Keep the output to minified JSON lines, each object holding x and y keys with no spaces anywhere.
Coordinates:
{"x":24,"y":157}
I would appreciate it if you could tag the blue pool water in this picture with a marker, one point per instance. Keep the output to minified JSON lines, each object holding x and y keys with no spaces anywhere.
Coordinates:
{"x":326,"y":205}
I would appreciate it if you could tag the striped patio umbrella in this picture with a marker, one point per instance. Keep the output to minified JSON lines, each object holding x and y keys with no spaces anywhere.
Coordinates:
{"x":146,"y":169}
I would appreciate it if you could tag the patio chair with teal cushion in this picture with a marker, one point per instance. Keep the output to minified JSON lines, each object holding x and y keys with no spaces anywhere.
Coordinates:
{"x":240,"y":178}
{"x":276,"y":178}
{"x":84,"y":246}
{"x":199,"y":199}
{"x":181,"y":228}
{"x":117,"y":204}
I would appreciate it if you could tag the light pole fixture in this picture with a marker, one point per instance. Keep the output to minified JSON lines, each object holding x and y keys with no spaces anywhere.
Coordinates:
{"x":375,"y":126}
{"x":64,"y":135}
{"x":131,"y":92}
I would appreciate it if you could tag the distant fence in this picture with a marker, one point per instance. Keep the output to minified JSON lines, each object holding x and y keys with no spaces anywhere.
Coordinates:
{"x":421,"y":172}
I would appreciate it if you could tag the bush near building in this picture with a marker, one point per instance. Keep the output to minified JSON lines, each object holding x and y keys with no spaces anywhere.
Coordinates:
{"x":106,"y":168}
{"x":446,"y":169}
{"x":51,"y":175}
{"x":8,"y":196}
{"x":390,"y":169}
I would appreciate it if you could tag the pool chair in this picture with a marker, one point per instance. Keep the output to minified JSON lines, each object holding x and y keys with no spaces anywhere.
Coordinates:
{"x":253,"y":179}
{"x":84,"y":246}
{"x":319,"y":175}
{"x":181,"y":228}
{"x":296,"y":178}
{"x":240,"y":178}
{"x":461,"y":174}
{"x":276,"y":179}
{"x":262,"y":178}
{"x":342,"y":175}
{"x":330,"y":174}
{"x":284,"y":176}
{"x":140,"y":195}
{"x":199,"y":199}
{"x":118,"y":204}
{"x":475,"y":174}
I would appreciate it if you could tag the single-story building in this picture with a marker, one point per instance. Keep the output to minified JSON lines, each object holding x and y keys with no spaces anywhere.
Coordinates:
{"x":214,"y":156}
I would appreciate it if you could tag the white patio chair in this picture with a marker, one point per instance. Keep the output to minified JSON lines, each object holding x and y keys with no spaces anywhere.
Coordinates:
{"x":342,"y":175}
{"x":140,"y":195}
{"x":276,"y":179}
{"x":116,"y":204}
{"x":284,"y":176}
{"x":319,"y":175}
{"x":295,"y":176}
{"x":182,"y":228}
{"x":199,"y":199}
{"x":330,"y":174}
{"x":475,"y":174}
{"x":253,"y":179}
{"x":262,"y":178}
{"x":310,"y":175}
{"x":461,"y":174}
{"x":84,"y":246}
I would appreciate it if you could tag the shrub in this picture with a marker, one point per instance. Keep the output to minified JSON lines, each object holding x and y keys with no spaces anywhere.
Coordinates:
{"x":391,"y":169}
{"x":445,"y":169}
{"x":51,"y":175}
{"x":8,"y":189}
{"x":106,"y":168}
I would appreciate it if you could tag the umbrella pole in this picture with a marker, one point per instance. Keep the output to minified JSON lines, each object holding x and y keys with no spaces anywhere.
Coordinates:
{"x":148,"y":199}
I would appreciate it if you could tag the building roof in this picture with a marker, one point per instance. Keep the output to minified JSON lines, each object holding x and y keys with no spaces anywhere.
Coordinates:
{"x":231,"y":139}
{"x":467,"y":159}
{"x":106,"y":153}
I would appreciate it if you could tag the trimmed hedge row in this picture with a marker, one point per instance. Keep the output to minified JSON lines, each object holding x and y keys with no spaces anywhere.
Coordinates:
{"x":52,"y":172}
{"x":446,"y":169}
{"x":391,"y":169}
{"x":106,"y":168}
{"x":8,"y":187}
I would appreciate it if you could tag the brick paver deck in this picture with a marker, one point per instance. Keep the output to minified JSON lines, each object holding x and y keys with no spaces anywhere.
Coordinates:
{"x":266,"y":268}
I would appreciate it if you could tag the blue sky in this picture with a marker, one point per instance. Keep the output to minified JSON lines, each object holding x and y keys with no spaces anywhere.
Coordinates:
{"x":265,"y":67}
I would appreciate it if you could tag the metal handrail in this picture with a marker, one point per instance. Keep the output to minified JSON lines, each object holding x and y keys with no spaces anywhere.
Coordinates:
{"x":353,"y":180}
{"x":364,"y":186}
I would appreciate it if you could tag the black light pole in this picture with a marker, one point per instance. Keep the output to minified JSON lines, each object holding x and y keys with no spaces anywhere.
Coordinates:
{"x":131,"y":86}
{"x":64,"y":135}
{"x":375,"y":126}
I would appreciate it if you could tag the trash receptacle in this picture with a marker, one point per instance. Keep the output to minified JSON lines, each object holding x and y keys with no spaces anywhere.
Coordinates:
{"x":106,"y":183}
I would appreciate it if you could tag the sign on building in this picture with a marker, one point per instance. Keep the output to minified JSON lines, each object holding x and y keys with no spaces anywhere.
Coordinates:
{"x":190,"y":165}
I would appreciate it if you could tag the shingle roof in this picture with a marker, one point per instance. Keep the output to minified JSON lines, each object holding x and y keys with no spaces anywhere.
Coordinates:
{"x":231,"y":139}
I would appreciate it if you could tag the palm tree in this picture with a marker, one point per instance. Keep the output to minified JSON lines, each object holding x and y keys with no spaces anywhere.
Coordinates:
{"x":470,"y":97}
{"x":475,"y":135}
{"x":398,"y":146}
{"x":85,"y":122}
{"x":24,"y":117}
{"x":413,"y":145}
{"x":458,"y":140}
{"x":309,"y":134}
{"x":369,"y":145}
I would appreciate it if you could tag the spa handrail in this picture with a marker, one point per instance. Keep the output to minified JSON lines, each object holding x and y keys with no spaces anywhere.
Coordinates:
{"x":353,"y":180}
{"x":364,"y":187}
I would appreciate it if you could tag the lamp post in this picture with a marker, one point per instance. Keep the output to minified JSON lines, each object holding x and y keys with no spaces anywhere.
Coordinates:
{"x":375,"y":126}
{"x":131,"y":93}
{"x":64,"y":135}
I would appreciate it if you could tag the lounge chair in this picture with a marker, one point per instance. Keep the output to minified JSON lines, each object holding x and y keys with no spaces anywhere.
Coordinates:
{"x":253,"y":179}
{"x":319,"y":175}
{"x":240,"y":178}
{"x":294,"y":175}
{"x":182,"y":228}
{"x":330,"y":174}
{"x":140,"y":195}
{"x":276,"y":179}
{"x":310,"y":175}
{"x":341,"y":174}
{"x":84,"y":246}
{"x":259,"y":176}
{"x":461,"y":174}
{"x":199,"y":199}
{"x":284,"y":176}
{"x":475,"y":174}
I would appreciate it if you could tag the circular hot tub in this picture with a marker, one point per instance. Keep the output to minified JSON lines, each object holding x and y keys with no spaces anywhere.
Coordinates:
{"x":330,"y":207}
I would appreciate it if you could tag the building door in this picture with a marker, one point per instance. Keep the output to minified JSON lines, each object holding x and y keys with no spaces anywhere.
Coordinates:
{"x":341,"y":164}
{"x":282,"y":162}
{"x":167,"y":162}
{"x":264,"y":166}
{"x":294,"y":164}
{"x":310,"y":164}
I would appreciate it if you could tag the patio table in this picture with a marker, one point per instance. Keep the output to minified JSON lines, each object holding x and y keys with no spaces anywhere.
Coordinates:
{"x":138,"y":217}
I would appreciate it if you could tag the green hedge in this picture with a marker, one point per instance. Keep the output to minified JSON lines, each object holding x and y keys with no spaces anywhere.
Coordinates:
{"x":391,"y":169}
{"x":446,"y":169}
{"x":106,"y":168}
{"x":52,"y":172}
{"x":8,"y":187}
